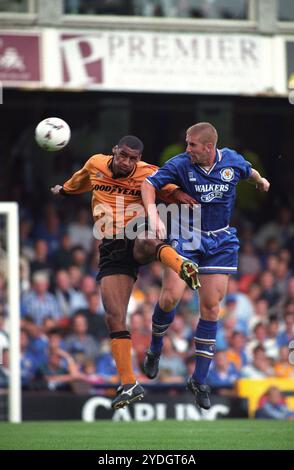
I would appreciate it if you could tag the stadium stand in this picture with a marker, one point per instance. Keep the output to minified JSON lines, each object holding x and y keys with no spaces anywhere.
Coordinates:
{"x":61,"y":298}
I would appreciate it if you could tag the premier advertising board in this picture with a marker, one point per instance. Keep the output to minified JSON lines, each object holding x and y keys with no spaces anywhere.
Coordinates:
{"x":166,"y":62}
{"x":138,"y":61}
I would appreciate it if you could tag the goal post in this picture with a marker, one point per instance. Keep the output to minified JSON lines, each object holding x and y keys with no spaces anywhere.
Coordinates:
{"x":11,"y":240}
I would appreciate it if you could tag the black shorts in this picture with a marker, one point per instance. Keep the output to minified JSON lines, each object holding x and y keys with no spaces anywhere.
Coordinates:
{"x":116,"y":257}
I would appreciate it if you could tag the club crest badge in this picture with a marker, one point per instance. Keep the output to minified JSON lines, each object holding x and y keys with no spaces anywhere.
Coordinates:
{"x":227,"y":174}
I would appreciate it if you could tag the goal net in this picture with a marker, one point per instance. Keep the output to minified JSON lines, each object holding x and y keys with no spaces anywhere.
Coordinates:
{"x":10,"y":394}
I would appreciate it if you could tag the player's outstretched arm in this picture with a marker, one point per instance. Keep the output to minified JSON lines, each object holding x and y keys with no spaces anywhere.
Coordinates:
{"x":148,"y":198}
{"x":261,"y":183}
{"x":176,"y":196}
{"x":79,"y":183}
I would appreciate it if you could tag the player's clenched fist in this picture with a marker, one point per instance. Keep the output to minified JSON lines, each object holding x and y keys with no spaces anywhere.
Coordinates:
{"x":56,"y":189}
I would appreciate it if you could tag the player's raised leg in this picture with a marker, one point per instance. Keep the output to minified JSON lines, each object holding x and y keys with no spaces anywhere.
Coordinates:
{"x":171,"y":292}
{"x":147,"y":250}
{"x":186,"y":269}
{"x":213,"y":289}
{"x":116,"y":290}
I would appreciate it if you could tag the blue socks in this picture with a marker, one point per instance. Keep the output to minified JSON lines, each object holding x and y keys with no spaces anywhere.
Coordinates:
{"x":160,"y":323}
{"x":204,"y":349}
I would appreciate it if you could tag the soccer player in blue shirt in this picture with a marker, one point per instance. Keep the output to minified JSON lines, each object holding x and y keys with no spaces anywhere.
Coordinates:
{"x":209,"y":175}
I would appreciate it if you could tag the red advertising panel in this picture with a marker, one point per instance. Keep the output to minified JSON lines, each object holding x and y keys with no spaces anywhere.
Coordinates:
{"x":20,"y":58}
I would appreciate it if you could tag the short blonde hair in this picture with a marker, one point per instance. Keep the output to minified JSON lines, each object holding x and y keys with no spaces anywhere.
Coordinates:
{"x":207,"y":131}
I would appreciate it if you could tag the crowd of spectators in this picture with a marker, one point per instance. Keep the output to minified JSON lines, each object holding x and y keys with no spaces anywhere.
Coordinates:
{"x":226,"y":9}
{"x":64,"y":340}
{"x":272,"y":405}
{"x":211,"y":9}
{"x":205,"y":9}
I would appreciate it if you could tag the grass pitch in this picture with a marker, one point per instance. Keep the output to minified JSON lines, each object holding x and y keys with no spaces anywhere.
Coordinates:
{"x":153,"y":435}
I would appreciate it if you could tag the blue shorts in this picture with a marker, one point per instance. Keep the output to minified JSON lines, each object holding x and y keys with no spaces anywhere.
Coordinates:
{"x":217,"y":251}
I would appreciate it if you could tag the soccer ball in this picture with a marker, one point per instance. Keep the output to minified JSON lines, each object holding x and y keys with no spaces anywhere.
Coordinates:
{"x":52,"y":134}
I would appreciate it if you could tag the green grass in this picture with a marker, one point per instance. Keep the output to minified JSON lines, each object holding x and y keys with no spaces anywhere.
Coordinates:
{"x":156,"y":435}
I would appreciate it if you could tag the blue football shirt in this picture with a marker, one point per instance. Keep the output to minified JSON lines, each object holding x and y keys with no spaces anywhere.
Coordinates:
{"x":215,"y":189}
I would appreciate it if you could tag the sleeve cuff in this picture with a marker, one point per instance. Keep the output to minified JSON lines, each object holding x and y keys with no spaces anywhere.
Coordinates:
{"x":62,"y":192}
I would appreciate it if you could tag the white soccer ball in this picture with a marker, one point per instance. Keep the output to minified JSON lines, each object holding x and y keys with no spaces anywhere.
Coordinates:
{"x":52,"y":134}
